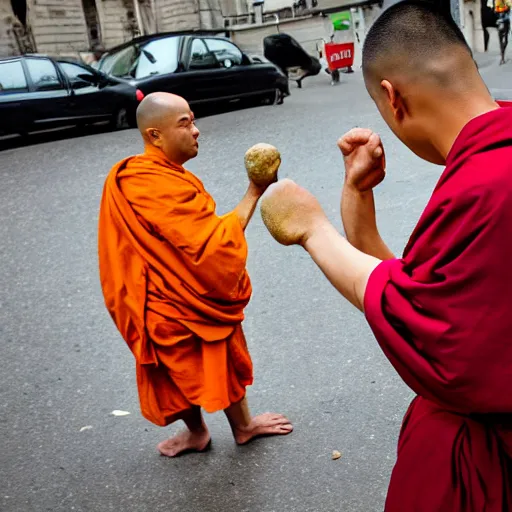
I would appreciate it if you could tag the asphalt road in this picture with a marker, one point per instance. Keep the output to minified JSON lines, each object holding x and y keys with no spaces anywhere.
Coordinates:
{"x":64,"y":366}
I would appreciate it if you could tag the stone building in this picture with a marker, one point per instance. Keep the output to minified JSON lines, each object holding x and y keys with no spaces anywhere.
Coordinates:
{"x":308,"y":21}
{"x":69,"y":27}
{"x":74,"y":27}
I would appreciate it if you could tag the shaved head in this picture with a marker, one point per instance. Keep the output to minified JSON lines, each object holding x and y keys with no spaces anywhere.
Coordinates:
{"x":421,"y":74}
{"x":165,"y":121}
{"x":156,"y":109}
{"x":412,"y":39}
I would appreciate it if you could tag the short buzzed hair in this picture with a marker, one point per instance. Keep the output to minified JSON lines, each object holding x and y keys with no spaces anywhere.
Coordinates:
{"x":409,"y":33}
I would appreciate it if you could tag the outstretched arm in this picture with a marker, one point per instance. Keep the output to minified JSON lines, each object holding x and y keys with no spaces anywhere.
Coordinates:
{"x":294,"y":216}
{"x":347,"y":268}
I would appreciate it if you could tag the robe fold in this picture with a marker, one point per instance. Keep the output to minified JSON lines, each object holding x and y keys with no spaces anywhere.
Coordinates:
{"x":442,"y":314}
{"x":174,"y":280}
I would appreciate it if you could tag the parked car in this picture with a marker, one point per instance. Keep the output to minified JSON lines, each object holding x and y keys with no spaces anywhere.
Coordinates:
{"x":38,"y":93}
{"x":286,"y":53}
{"x":204,"y":69}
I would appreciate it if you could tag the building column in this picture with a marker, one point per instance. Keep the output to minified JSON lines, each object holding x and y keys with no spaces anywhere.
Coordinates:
{"x":138,"y":17}
{"x":101,"y":20}
{"x":478,"y":36}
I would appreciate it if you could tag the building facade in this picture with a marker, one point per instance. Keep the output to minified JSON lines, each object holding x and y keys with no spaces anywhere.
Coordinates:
{"x":71,"y":27}
{"x":75,"y":27}
{"x":309,"y":22}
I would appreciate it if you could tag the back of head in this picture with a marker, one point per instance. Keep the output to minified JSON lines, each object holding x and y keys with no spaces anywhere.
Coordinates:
{"x":411,"y":38}
{"x":421,"y":74}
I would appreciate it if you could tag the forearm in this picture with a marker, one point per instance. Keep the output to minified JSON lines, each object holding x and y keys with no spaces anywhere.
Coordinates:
{"x":360,"y":225}
{"x":247,"y":206}
{"x":347,"y":268}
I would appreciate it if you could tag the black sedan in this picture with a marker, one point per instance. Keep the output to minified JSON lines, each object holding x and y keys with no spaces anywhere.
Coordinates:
{"x":201,"y":68}
{"x":39,"y":93}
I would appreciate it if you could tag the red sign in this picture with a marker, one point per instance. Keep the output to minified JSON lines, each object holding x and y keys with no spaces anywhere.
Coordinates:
{"x":339,"y":55}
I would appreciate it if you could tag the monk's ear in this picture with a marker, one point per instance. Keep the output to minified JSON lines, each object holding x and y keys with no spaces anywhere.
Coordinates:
{"x":154,"y":136}
{"x":394,"y":100}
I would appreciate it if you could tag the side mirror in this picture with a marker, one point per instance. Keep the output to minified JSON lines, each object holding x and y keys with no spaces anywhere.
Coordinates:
{"x":102,"y":80}
{"x":90,"y":79}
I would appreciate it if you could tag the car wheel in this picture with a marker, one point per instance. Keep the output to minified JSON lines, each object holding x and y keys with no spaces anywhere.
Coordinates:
{"x":274,"y":98}
{"x":132,"y":118}
{"x":120,"y":119}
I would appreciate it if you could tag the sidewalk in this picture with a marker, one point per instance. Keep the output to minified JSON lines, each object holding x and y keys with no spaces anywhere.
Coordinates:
{"x":498,"y":78}
{"x":487,"y":60}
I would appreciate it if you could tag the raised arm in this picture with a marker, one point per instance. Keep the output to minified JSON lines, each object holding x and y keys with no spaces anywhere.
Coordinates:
{"x":246,"y":207}
{"x":365,"y":165}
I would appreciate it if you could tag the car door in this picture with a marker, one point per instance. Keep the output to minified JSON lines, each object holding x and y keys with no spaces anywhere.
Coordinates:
{"x":207,"y":80}
{"x":88,"y":99}
{"x":235,"y":69}
{"x":14,"y":115}
{"x":49,"y":98}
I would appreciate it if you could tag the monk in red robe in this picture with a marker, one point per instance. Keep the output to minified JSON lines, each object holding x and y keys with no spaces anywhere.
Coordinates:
{"x":442,"y":313}
{"x":174,"y":279}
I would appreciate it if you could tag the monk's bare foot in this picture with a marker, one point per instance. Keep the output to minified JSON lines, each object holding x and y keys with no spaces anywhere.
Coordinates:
{"x":185,"y":442}
{"x":268,"y":424}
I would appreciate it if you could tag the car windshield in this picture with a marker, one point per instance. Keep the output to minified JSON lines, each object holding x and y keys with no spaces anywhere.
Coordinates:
{"x":120,"y":63}
{"x":156,"y":57}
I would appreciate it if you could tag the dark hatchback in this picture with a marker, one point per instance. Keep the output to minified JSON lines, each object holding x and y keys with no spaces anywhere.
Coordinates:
{"x":39,"y":93}
{"x":203,"y":69}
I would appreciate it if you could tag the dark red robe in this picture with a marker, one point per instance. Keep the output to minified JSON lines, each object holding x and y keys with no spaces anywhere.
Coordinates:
{"x":443,"y":316}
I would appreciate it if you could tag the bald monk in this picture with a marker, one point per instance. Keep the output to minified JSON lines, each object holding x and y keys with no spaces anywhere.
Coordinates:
{"x":443,"y":312}
{"x":174,"y":281}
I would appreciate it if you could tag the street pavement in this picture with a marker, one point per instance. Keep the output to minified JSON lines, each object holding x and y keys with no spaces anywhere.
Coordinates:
{"x":65,"y":368}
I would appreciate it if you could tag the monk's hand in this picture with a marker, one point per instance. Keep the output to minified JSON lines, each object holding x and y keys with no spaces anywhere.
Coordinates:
{"x":258,"y":188}
{"x":365,"y":161}
{"x":291,"y":213}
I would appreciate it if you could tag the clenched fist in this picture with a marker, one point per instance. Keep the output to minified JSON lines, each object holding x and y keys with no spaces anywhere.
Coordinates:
{"x":365,"y":162}
{"x":290,"y":212}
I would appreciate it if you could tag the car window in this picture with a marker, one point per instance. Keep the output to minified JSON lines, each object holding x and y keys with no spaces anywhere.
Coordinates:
{"x":227,"y":53}
{"x":73,"y":71}
{"x":44,"y":75}
{"x":158,"y":57}
{"x":121,"y":63}
{"x":200,"y":57}
{"x":12,"y":77}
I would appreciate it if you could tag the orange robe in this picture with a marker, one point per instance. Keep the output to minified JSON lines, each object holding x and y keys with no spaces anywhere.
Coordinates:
{"x":174,"y":281}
